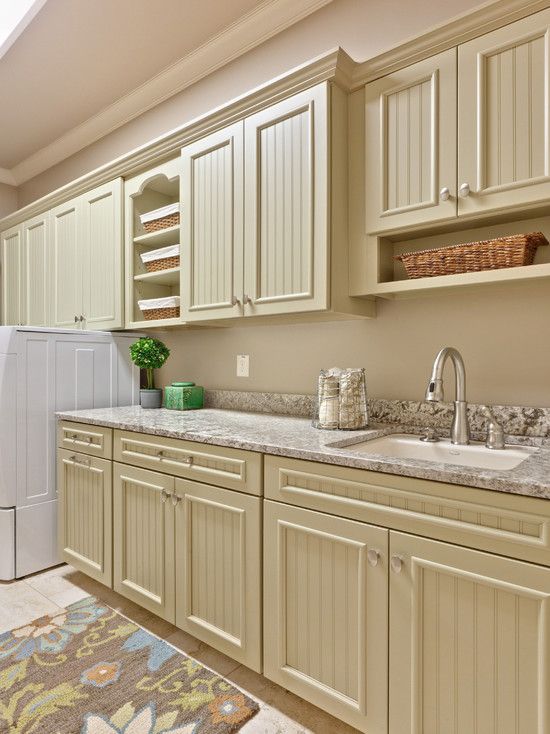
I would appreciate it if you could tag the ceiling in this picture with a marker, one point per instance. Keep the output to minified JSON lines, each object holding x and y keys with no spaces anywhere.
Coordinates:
{"x":78,"y":57}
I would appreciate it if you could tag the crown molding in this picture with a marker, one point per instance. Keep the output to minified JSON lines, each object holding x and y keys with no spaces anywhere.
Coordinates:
{"x":256,"y":27}
{"x":462,"y":28}
{"x":332,"y":66}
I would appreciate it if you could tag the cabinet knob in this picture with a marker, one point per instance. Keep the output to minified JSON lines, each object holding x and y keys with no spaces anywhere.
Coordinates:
{"x":396,"y":564}
{"x":373,"y":556}
{"x":247,"y":299}
{"x":76,"y":319}
{"x":164,"y":495}
{"x":445,"y":194}
{"x":82,"y":318}
{"x":175,"y":499}
{"x":235,"y":301}
{"x":464,"y":190}
{"x":188,"y":460}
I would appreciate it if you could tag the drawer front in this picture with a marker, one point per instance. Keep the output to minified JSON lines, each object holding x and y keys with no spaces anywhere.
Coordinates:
{"x":85,"y":438}
{"x":508,"y":524}
{"x":217,"y":465}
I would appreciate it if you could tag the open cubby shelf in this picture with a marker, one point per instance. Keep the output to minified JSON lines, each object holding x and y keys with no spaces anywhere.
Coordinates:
{"x":392,"y":280}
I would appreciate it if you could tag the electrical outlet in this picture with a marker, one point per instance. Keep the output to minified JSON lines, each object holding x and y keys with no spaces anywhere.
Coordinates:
{"x":243,"y":365}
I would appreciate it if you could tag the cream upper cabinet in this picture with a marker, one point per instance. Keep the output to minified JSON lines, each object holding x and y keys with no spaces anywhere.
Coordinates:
{"x":86,"y":244}
{"x":286,"y":205}
{"x":326,"y":612}
{"x":218,"y":568}
{"x":36,"y":258}
{"x":469,"y":641}
{"x":66,"y":265}
{"x":101,"y":248}
{"x":410,"y":129}
{"x":212,"y":227}
{"x":13,"y":296}
{"x":504,"y":117}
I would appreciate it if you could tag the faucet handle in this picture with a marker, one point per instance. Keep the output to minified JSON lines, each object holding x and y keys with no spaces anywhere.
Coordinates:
{"x":495,"y":433}
{"x":430,"y":435}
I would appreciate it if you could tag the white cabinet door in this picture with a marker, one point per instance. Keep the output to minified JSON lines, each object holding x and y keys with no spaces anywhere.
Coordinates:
{"x":218,"y":569}
{"x":13,"y":313}
{"x":410,"y":157}
{"x":287,"y":161}
{"x":212,"y":227}
{"x":469,"y":641}
{"x":326,"y":612}
{"x":504,"y":116}
{"x":100,"y":245}
{"x":66,"y":265}
{"x":36,"y":277}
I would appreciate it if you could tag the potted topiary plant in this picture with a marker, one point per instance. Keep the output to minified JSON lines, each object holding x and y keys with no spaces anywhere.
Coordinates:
{"x":149,"y":354}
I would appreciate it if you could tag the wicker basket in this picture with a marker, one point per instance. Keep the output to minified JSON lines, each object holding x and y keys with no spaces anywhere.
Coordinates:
{"x":162,"y":264}
{"x":152,"y":314}
{"x":503,"y":252}
{"x":163,"y":223}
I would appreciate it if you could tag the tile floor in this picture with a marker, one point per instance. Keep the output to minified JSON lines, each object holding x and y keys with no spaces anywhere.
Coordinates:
{"x":281,"y":712}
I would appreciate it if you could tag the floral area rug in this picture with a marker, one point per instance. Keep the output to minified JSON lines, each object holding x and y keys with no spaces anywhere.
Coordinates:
{"x":88,"y":670}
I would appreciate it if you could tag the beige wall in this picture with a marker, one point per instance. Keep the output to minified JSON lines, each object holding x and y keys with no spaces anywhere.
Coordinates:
{"x":504,"y":336}
{"x":8,"y":199}
{"x":363,"y":28}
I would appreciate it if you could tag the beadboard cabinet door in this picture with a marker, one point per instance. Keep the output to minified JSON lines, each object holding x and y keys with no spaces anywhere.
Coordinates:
{"x":36,"y":273}
{"x":287,"y":160}
{"x":66,"y":265}
{"x":218,"y":569}
{"x":326,"y":612}
{"x":469,"y":641}
{"x":100,"y":245}
{"x":84,"y":485}
{"x":13,"y":297}
{"x":410,"y":156}
{"x":143,"y":531}
{"x":212,"y":227}
{"x":504,"y":117}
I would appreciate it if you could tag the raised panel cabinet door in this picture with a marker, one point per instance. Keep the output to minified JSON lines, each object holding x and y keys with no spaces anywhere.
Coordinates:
{"x":218,"y":569}
{"x":12,"y":278}
{"x":287,"y":211}
{"x":101,"y":245}
{"x":37,"y":291}
{"x":469,"y":641}
{"x":410,"y":151}
{"x":212,"y":227}
{"x":85,"y":513}
{"x":504,"y":117}
{"x":326,"y":612}
{"x":66,"y":264}
{"x":143,"y":533}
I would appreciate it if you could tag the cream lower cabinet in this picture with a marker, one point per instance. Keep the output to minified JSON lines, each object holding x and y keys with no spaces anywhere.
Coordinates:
{"x":85,"y":522}
{"x":218,"y":569}
{"x":326,"y":612}
{"x":469,"y":641}
{"x":143,"y":534}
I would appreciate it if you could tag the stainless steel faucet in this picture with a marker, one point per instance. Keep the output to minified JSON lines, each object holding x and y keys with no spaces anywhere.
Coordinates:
{"x":460,"y":430}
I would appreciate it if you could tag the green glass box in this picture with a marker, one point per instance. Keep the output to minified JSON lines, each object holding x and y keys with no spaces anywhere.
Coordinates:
{"x":183,"y":396}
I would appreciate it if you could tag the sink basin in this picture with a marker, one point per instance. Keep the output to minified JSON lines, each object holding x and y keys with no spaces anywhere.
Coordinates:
{"x":476,"y":455}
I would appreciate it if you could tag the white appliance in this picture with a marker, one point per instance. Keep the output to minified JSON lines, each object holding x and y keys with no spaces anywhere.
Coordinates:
{"x":43,"y":371}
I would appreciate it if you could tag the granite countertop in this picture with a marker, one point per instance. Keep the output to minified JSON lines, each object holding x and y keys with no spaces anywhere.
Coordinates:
{"x":295,"y":437}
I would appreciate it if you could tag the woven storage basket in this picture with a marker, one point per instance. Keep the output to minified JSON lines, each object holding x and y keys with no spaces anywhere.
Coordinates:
{"x":503,"y":252}
{"x":161,"y":313}
{"x":163,"y":223}
{"x":162,"y":264}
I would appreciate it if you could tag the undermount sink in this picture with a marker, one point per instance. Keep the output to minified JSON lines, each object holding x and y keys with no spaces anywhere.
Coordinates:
{"x":408,"y":446}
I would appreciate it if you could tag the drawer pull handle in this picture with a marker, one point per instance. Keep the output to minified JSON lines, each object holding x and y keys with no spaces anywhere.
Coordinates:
{"x":84,"y":461}
{"x":175,"y":499}
{"x":164,"y":495}
{"x":188,"y":460}
{"x":396,"y":564}
{"x":373,"y":557}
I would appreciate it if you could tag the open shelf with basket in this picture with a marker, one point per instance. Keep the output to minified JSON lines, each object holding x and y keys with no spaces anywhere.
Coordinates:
{"x":444,"y":257}
{"x":153,"y":247}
